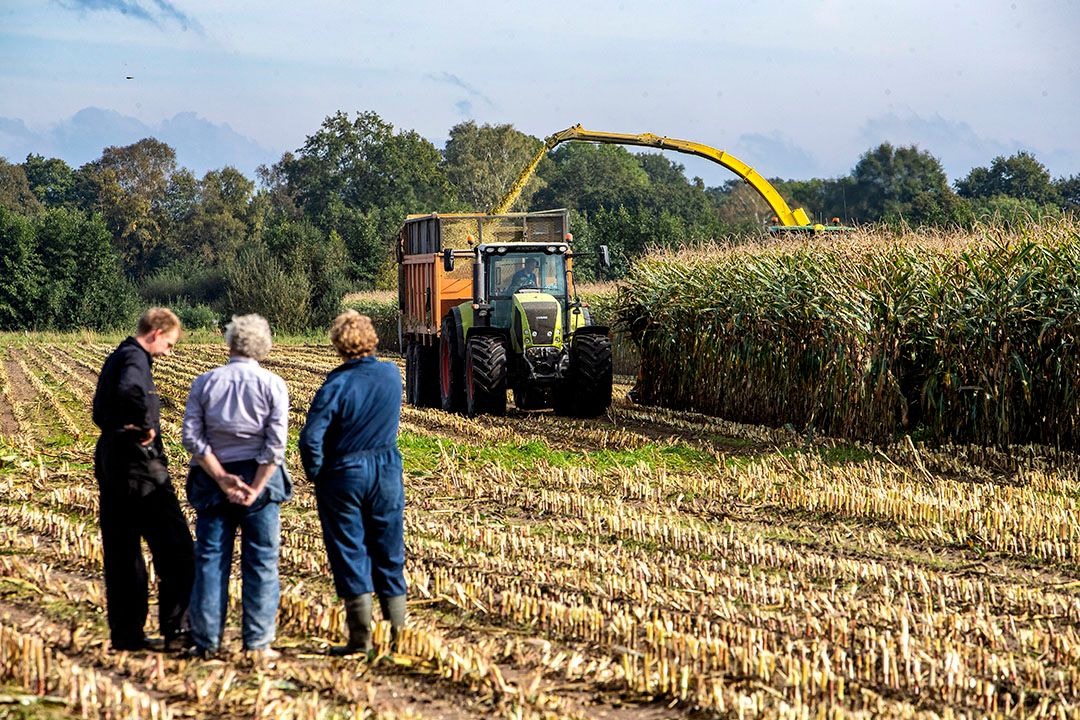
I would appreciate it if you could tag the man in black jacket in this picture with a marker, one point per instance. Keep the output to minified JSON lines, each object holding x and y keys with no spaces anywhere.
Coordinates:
{"x":137,"y":495}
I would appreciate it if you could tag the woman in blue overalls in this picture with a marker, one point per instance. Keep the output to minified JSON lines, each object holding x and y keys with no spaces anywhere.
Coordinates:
{"x":349,"y":450}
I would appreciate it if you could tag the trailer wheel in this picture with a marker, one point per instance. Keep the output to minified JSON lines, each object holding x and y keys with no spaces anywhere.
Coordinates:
{"x":451,"y":374}
{"x":485,"y":376}
{"x":421,"y":376}
{"x":410,"y":373}
{"x":586,"y":390}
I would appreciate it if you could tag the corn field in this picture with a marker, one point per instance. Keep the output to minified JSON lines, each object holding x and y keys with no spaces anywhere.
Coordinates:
{"x":653,"y":563}
{"x":955,"y":338}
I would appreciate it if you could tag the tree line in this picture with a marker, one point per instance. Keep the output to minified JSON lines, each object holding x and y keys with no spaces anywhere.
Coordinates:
{"x":87,"y":246}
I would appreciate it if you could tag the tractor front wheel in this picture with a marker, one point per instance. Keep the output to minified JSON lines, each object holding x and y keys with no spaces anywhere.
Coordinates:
{"x":586,"y":389}
{"x":485,"y":376}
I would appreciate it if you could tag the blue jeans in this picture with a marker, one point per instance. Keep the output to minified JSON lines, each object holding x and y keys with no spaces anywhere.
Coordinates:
{"x":260,"y":533}
{"x":362,"y":511}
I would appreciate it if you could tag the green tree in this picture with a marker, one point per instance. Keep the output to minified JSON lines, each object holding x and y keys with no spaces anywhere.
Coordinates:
{"x":902,"y":183}
{"x":352,"y":172}
{"x":178,"y":210}
{"x":51,"y":179}
{"x":823,"y":199}
{"x":740,"y":207}
{"x":370,"y":237}
{"x":21,"y":271}
{"x":275,"y":196}
{"x":586,"y":177}
{"x":483,"y":161}
{"x":256,"y":282}
{"x":1068,"y":190}
{"x":84,"y":286}
{"x":629,"y":233}
{"x":15,"y":192}
{"x":1005,"y":211}
{"x":86,"y":187}
{"x":661,"y":170}
{"x":221,"y":216}
{"x":134,"y":182}
{"x":364,"y":163}
{"x":1018,"y":176}
{"x":322,"y":258}
{"x":669,"y":190}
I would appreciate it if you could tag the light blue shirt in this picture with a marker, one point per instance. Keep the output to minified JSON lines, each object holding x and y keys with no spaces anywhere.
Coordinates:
{"x":239,"y":411}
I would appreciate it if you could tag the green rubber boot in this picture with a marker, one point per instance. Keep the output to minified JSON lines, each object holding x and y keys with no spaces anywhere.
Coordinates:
{"x":393,"y":609}
{"x":358,"y":620}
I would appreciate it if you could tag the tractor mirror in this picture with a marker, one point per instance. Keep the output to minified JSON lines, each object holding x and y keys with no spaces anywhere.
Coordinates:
{"x":605,"y":257}
{"x":448,"y":260}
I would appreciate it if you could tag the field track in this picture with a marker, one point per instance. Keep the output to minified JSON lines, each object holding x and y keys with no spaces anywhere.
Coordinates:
{"x":648,"y":564}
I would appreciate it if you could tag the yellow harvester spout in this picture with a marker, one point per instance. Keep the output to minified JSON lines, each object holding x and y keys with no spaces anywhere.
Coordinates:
{"x":785,"y":215}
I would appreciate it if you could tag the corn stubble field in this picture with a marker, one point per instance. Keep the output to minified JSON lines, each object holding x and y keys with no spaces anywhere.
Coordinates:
{"x":653,"y":563}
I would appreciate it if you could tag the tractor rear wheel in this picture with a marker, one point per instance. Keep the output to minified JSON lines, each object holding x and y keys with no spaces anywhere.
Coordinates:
{"x":485,"y":376}
{"x":586,"y":389}
{"x":451,"y":373}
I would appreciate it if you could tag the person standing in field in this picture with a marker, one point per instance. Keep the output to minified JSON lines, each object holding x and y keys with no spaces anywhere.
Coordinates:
{"x":349,"y":450}
{"x":236,"y":425}
{"x":137,"y":496}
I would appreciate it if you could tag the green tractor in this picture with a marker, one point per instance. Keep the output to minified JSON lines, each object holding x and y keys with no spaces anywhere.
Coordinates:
{"x":523,"y":330}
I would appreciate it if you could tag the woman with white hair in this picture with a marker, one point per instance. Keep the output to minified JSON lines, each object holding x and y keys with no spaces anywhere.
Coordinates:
{"x":236,"y":427}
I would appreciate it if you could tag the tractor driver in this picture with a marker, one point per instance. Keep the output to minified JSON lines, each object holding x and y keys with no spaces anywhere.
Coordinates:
{"x":525,"y":277}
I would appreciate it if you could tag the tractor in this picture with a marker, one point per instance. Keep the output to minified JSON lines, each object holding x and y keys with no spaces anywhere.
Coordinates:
{"x":488,"y":306}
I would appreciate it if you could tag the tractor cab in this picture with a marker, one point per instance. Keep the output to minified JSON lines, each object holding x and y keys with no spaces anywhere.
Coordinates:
{"x":523,"y":270}
{"x":515,"y":324}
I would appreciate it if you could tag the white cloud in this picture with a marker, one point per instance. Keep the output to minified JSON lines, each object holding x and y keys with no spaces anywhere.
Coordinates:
{"x":200,"y":145}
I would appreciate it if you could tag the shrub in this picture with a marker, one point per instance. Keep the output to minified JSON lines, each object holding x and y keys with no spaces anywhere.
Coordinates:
{"x":257,"y":283}
{"x":196,"y":317}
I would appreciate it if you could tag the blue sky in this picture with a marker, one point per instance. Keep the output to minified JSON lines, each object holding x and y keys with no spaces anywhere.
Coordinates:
{"x":795,"y":89}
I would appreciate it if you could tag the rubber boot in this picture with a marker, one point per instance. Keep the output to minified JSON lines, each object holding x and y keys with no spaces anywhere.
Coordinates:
{"x":393,"y":609}
{"x":358,"y":620}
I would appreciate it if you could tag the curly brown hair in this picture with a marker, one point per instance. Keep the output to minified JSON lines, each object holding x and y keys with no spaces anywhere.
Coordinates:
{"x":353,"y":335}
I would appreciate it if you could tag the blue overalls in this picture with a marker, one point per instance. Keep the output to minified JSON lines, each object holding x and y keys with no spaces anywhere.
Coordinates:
{"x":349,"y":450}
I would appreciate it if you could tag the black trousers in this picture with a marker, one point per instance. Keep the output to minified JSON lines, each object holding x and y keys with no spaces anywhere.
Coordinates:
{"x":126,"y":518}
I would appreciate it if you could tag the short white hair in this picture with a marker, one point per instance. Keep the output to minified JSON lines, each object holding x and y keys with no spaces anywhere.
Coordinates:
{"x":248,"y":336}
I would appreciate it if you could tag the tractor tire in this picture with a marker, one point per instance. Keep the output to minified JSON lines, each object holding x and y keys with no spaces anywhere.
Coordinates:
{"x":451,"y":369}
{"x":586,"y":390}
{"x":410,"y":374}
{"x":485,"y":376}
{"x":425,"y":386}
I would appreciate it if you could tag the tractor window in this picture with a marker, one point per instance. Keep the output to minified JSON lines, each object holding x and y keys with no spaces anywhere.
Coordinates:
{"x":507,"y":274}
